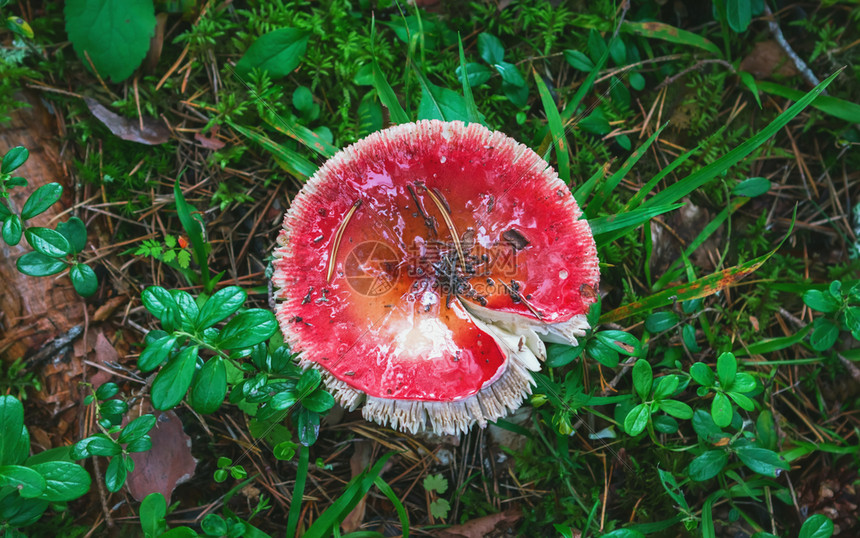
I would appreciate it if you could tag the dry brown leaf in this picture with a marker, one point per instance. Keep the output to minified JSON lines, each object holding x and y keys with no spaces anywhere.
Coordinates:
{"x":105,"y":354}
{"x":106,"y":310}
{"x":167,"y":464}
{"x":209,"y":143}
{"x":768,"y":58}
{"x":483,"y":526}
{"x":357,"y":463}
{"x":153,"y":133}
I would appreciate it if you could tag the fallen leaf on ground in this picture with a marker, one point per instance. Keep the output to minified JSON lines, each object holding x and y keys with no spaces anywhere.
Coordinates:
{"x":483,"y":526}
{"x":167,"y":464}
{"x":357,"y":463}
{"x":153,"y":132}
{"x":768,"y":58}
{"x":208,"y":143}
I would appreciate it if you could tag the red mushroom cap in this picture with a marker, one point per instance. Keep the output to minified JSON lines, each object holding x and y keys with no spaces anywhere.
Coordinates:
{"x":421,"y":268}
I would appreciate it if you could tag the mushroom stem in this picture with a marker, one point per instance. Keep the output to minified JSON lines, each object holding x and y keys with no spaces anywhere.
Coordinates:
{"x":448,"y":222}
{"x":338,"y":236}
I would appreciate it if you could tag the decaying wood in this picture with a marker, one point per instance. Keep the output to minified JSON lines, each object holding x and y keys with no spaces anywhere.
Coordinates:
{"x":34,"y":310}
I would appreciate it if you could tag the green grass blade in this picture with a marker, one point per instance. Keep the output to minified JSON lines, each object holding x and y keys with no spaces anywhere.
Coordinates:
{"x":648,"y":187}
{"x":383,"y":88}
{"x":289,"y":160}
{"x":301,"y":134}
{"x":609,"y":228}
{"x":700,"y":177}
{"x":584,"y":190}
{"x":658,"y":30}
{"x":606,"y":190}
{"x":471,"y":107}
{"x":398,"y":506}
{"x":703,"y":287}
{"x":194,"y":228}
{"x":672,"y":272}
{"x":556,"y":129}
{"x":839,"y":108}
{"x":298,"y":492}
{"x":584,"y":88}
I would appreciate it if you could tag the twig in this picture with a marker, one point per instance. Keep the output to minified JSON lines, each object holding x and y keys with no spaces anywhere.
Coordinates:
{"x":698,"y":65}
{"x":804,"y":69}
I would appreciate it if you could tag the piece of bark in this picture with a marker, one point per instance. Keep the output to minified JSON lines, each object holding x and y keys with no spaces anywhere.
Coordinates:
{"x":34,"y":310}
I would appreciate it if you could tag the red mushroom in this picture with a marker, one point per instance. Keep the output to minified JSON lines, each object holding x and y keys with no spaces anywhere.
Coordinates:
{"x":422,"y":268}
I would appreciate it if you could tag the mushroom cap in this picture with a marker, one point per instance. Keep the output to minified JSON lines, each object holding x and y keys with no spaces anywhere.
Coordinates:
{"x":420,"y":268}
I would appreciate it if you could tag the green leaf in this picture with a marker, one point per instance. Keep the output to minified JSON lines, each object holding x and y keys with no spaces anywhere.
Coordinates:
{"x":64,"y":480}
{"x":765,"y":428}
{"x":727,"y":367}
{"x":13,"y":159}
{"x":676,"y":409}
{"x":637,"y":419}
{"x":578,"y":60}
{"x":289,"y":159}
{"x":95,"y":445}
{"x":667,"y":385}
{"x":743,"y":402}
{"x":762,"y":460}
{"x":209,"y":387}
{"x":37,"y":264}
{"x":308,"y":426}
{"x":642,"y":378}
{"x":11,"y":424}
{"x":820,"y":301}
{"x":476,"y":73}
{"x":439,"y":508}
{"x":139,"y":445}
{"x":310,"y":380}
{"x":707,"y":465}
{"x":471,"y":108}
{"x":744,"y":383}
{"x":283,"y":400}
{"x":658,"y":30}
{"x":750,"y":82}
{"x":75,"y":232}
{"x":490,"y":48}
{"x":248,"y":328}
{"x":47,"y":241}
{"x":838,"y":108}
{"x":83,"y":279}
{"x":116,"y":474}
{"x":159,"y":302}
{"x":285,"y":450}
{"x":107,"y":390}
{"x":752,"y":187}
{"x":319,"y":401}
{"x":440,"y":103}
{"x":279,"y":52}
{"x":816,"y":526}
{"x":155,"y":353}
{"x":559,"y":355}
{"x":41,"y":199}
{"x":173,"y":380}
{"x":556,"y":129}
{"x":153,"y":509}
{"x":620,"y":341}
{"x":688,"y":335}
{"x":12,"y":228}
{"x":114,"y":34}
{"x":602,"y":353}
{"x":824,"y":334}
{"x":137,"y":428}
{"x":623,"y":533}
{"x":383,"y":88}
{"x":661,"y":321}
{"x":738,"y":14}
{"x":702,"y":374}
{"x":721,"y":410}
{"x":28,"y":482}
{"x":437,"y":483}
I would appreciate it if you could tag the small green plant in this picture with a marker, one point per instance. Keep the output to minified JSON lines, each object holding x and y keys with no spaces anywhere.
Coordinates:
{"x":31,"y":484}
{"x":227,"y":469}
{"x":728,"y":386}
{"x":171,"y":251}
{"x":54,"y":250}
{"x":841,"y":309}
{"x":435,"y":485}
{"x":654,"y":398}
{"x":15,"y":378}
{"x":134,"y":437}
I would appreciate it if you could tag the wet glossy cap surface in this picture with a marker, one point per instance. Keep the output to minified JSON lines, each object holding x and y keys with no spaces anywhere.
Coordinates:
{"x":415,"y":223}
